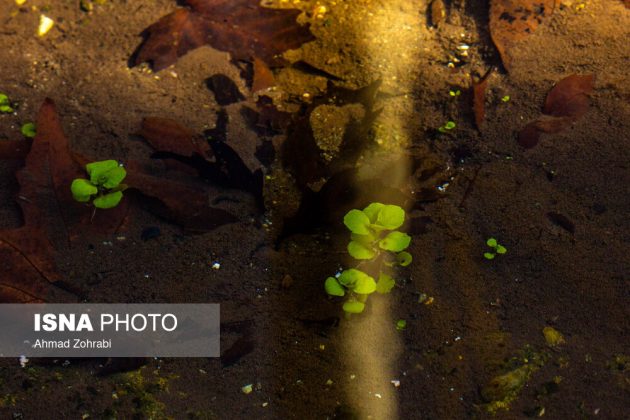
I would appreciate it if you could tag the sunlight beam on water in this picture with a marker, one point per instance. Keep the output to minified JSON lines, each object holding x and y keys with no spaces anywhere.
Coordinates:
{"x":373,"y":344}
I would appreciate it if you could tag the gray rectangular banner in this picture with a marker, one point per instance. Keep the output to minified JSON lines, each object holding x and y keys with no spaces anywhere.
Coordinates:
{"x":109,"y":330}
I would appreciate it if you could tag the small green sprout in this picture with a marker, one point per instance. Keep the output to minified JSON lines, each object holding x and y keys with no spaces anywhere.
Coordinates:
{"x":401,"y":324}
{"x":5,"y":104}
{"x":373,"y":237}
{"x":28,"y":130}
{"x":506,"y":98}
{"x":104,"y":187}
{"x":447,"y":127}
{"x":454,"y":93}
{"x":496,"y":249}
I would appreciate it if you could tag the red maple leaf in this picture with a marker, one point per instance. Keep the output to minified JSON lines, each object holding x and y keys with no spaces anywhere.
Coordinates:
{"x":241,"y":27}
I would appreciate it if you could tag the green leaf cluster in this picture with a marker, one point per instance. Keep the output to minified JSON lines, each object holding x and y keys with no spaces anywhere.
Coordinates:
{"x":496,"y":249}
{"x":104,"y":188}
{"x":5,"y":104}
{"x":373,"y":233}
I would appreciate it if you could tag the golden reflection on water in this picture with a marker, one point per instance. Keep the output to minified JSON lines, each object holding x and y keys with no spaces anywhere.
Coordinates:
{"x":373,"y":344}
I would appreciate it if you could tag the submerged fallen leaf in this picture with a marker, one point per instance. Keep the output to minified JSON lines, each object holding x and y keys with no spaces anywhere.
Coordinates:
{"x":512,"y":21}
{"x":227,"y":170}
{"x":569,"y":97}
{"x":566,"y":102}
{"x":243,"y":28}
{"x":28,"y":271}
{"x":263,"y":77}
{"x":479,"y":98}
{"x":183,"y":204}
{"x":166,"y":135}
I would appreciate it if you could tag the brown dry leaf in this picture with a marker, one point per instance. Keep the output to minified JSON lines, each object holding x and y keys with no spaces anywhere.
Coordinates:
{"x":479,"y":99}
{"x":50,"y":169}
{"x":569,"y":97}
{"x":166,"y":135}
{"x":241,"y":27}
{"x":263,"y":77}
{"x":565,"y":103}
{"x":183,"y":204}
{"x":28,"y":272}
{"x":513,"y":20}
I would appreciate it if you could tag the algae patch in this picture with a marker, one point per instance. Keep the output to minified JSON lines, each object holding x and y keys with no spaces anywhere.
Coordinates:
{"x":502,"y":389}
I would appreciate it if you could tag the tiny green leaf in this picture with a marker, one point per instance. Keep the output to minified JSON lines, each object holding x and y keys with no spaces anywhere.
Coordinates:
{"x":353,"y":307}
{"x":97,"y":170}
{"x":349,"y":277}
{"x":488,"y":255}
{"x":82,"y":190}
{"x":114,"y":177}
{"x":491,"y":242}
{"x":357,"y":222}
{"x":395,"y":241}
{"x":391,"y":217}
{"x":364,"y":285}
{"x":360,"y":251}
{"x":333,"y":287}
{"x":401,"y":324}
{"x":5,"y":104}
{"x":501,"y":249}
{"x":108,"y":201}
{"x":404,"y":258}
{"x":373,"y":210}
{"x":385,"y":283}
{"x":365,"y":240}
{"x":449,"y":125}
{"x":28,"y":130}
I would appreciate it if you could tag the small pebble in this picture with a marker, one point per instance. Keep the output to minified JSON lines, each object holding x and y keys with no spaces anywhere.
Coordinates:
{"x":396,"y":383}
{"x":216,"y":265}
{"x":247,"y":389}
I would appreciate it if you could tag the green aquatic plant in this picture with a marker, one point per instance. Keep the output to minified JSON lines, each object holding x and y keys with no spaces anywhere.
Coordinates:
{"x":373,"y":240}
{"x":104,"y":187}
{"x":448,"y":126}
{"x":5,"y":104}
{"x":496,"y":249}
{"x":29,"y":130}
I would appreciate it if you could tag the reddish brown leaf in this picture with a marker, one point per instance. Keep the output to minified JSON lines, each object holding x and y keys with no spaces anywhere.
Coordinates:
{"x":512,"y":21}
{"x":241,"y":27}
{"x":569,"y":97}
{"x":263,"y":77}
{"x":627,"y":3}
{"x":565,"y":103}
{"x":28,"y":271}
{"x":166,"y":135}
{"x":14,"y":149}
{"x":46,"y":178}
{"x":529,"y":136}
{"x":184,"y":204}
{"x":27,"y":268}
{"x":479,"y":99}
